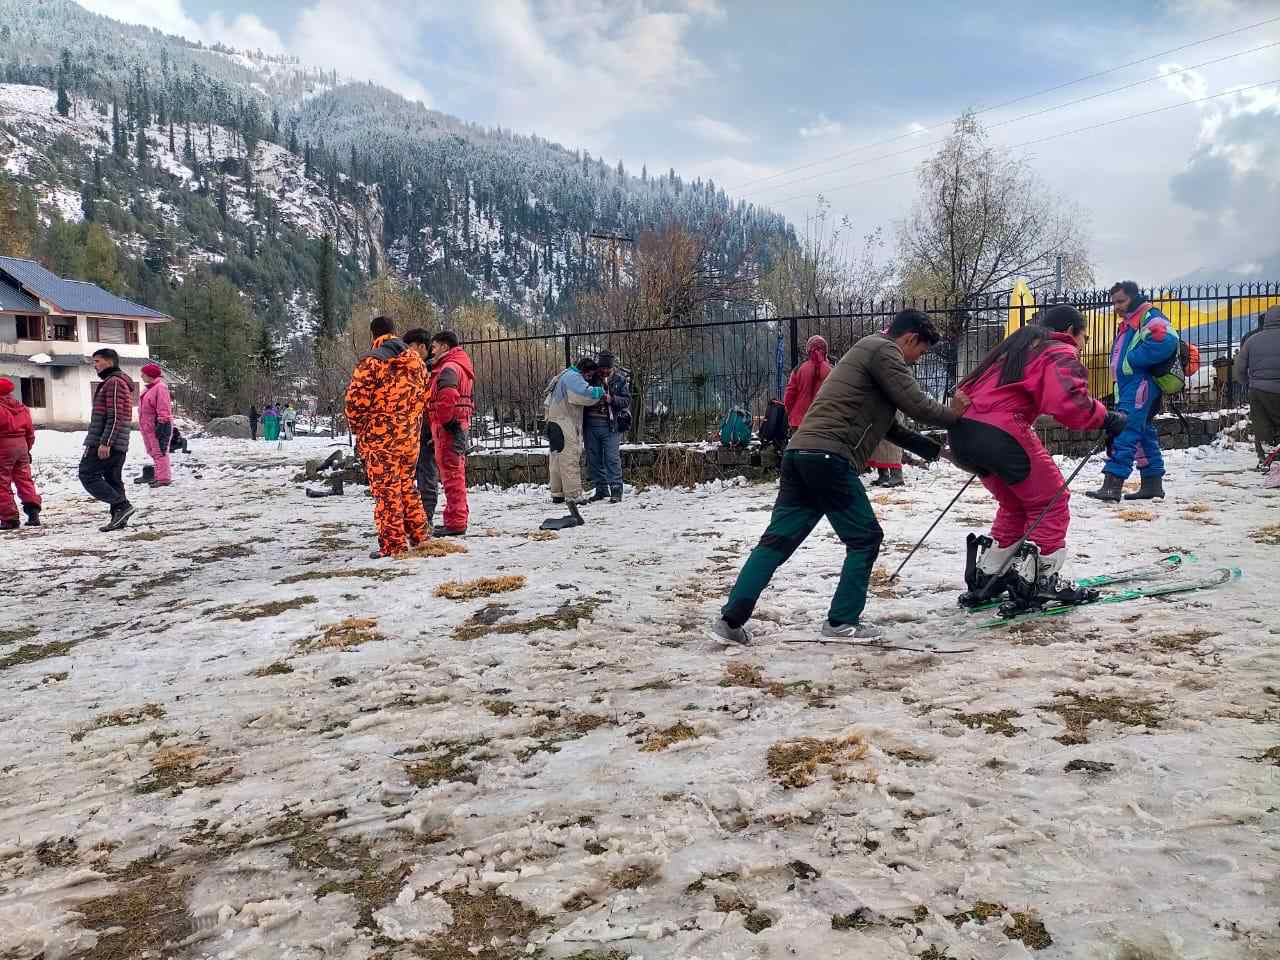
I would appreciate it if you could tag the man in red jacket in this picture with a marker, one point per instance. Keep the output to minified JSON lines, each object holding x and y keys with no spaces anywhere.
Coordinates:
{"x":17,"y":437}
{"x":452,"y":382}
{"x":805,"y":381}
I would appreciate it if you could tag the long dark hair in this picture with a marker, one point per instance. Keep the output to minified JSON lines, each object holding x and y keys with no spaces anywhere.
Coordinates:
{"x":1015,"y":350}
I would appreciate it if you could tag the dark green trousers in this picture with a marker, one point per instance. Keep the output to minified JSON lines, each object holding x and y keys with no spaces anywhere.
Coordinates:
{"x":814,"y":484}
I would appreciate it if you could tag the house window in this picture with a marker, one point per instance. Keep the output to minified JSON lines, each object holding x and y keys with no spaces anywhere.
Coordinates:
{"x":108,"y":331}
{"x":33,"y":392}
{"x":29,"y":327}
{"x":62,"y":328}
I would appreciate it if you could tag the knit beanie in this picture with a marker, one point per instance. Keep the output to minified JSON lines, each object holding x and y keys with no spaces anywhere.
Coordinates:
{"x":153,"y":371}
{"x":815,"y":343}
{"x":605,"y":359}
{"x":6,"y":386}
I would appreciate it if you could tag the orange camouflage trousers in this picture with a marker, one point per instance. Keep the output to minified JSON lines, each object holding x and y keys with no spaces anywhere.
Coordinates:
{"x":397,"y":505}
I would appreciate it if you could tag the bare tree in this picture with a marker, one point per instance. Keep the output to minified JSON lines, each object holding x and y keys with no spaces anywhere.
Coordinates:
{"x":675,"y":277}
{"x":982,"y":221}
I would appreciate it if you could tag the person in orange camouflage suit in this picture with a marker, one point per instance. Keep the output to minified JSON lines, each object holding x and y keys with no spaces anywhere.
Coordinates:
{"x":385,"y":404}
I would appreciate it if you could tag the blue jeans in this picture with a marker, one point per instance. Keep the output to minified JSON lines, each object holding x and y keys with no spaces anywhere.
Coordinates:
{"x":1139,"y":440}
{"x":604,"y":454}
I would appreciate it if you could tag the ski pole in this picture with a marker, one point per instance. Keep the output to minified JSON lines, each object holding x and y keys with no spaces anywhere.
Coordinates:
{"x":985,"y":592}
{"x":920,"y":543}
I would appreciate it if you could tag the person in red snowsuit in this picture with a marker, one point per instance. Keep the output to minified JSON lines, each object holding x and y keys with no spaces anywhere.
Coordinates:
{"x":17,"y":437}
{"x":1035,"y":371}
{"x":452,"y":383}
{"x":805,"y":380}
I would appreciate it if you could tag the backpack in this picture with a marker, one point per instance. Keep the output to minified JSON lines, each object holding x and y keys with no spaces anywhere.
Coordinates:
{"x":1170,"y":376}
{"x":735,"y":431}
{"x":774,"y":428}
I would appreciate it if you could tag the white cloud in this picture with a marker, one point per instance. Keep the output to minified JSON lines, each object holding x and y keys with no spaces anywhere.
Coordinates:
{"x":1189,"y":83}
{"x":823,"y":126}
{"x":718,"y":131}
{"x":915,"y":129}
{"x":245,"y":32}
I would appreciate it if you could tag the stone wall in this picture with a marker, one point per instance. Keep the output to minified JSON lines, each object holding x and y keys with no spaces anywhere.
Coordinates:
{"x":674,"y":465}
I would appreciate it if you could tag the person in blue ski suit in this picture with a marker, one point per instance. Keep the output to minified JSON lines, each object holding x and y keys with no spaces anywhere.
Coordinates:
{"x":1145,"y":344}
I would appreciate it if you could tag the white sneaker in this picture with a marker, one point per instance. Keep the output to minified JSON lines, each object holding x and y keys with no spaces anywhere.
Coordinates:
{"x":723,"y":631}
{"x":851,"y":631}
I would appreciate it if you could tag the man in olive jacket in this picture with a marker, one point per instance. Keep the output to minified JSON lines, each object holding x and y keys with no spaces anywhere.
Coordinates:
{"x":853,"y":411}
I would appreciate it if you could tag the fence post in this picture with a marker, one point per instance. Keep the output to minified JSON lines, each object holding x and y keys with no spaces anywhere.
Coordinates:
{"x":1230,"y":311}
{"x":568,"y":350}
{"x":795,"y":342}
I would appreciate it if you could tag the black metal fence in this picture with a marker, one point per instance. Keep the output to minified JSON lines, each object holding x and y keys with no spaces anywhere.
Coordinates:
{"x":686,"y":377}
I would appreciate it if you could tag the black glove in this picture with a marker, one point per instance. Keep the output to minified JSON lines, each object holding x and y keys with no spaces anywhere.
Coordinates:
{"x":917,"y":443}
{"x":454,"y":429}
{"x":164,"y":433}
{"x":1114,"y":423}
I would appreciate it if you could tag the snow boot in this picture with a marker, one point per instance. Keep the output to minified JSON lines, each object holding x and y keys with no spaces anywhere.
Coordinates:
{"x":894,"y":478}
{"x":13,"y":524}
{"x":850,"y":631}
{"x":882,"y":474}
{"x":120,"y":515}
{"x":557,"y":499}
{"x":148,"y":475}
{"x":600,"y":494}
{"x":1110,"y":489}
{"x":1039,"y":581}
{"x":1152,"y":489}
{"x":722,"y":631}
{"x":33,"y":514}
{"x":981,"y":571}
{"x":443,"y":531}
{"x":615,"y":494}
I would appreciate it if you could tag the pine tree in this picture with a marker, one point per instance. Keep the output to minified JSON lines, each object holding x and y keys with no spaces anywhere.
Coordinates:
{"x":293,"y":140}
{"x":117,"y":133}
{"x":275,"y":122}
{"x":222,"y":197}
{"x":173,"y":150}
{"x":142,"y":150}
{"x":326,"y":292}
{"x":189,"y":150}
{"x":306,"y":160}
{"x":64,"y":101}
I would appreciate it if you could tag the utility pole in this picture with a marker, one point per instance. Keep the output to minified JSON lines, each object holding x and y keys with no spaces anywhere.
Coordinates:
{"x":614,"y":240}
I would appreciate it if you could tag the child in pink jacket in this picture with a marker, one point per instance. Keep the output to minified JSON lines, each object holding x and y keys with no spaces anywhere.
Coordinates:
{"x":1034,"y":371}
{"x":155,"y":422}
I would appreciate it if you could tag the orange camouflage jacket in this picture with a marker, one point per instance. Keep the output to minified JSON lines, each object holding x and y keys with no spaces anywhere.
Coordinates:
{"x":386,"y":398}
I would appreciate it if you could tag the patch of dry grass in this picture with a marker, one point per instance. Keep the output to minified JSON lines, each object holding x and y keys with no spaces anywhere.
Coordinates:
{"x":366,"y":573}
{"x":633,"y":876}
{"x":796,"y":763}
{"x":34,"y":652}
{"x":145,"y":916}
{"x":449,"y":766}
{"x":1028,"y":928}
{"x":344,"y":635}
{"x":1136,"y":516}
{"x":565,"y":617}
{"x":475,"y":589}
{"x":149,"y":536}
{"x":57,"y":853}
{"x":176,"y":768}
{"x":216,"y":554}
{"x":18,"y":634}
{"x":881,"y":586}
{"x":1179,"y":642}
{"x":1078,"y":710}
{"x":542,"y":535}
{"x":486,"y":926}
{"x":739,"y":673}
{"x":1269,"y":536}
{"x":999,"y":721}
{"x":662,"y":739}
{"x":436,"y":547}
{"x":270,"y":609}
{"x":1271,"y":755}
{"x":121,"y":718}
{"x":276,"y":669}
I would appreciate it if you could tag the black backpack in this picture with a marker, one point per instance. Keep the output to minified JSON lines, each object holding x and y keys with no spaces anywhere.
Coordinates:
{"x":774,"y":429}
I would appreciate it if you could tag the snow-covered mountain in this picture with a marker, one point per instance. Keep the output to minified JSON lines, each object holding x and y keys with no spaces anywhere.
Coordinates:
{"x":246,"y":161}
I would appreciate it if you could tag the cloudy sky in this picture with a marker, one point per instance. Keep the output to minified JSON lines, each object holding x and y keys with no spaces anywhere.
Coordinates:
{"x":782,"y":102}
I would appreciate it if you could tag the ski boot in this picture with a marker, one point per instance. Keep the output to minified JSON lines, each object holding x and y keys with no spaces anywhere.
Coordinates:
{"x":1039,"y":581}
{"x":982,"y":574}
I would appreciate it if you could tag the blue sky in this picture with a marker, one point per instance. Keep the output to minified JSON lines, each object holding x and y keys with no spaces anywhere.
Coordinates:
{"x":740,"y":91}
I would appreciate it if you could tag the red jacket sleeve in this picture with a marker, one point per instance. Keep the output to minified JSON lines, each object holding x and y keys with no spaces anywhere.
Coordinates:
{"x":445,"y":395}
{"x":794,"y":388}
{"x":30,"y":431}
{"x":1062,"y":391}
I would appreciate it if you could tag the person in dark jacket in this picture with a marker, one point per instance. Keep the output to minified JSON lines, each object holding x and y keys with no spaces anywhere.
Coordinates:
{"x":854,"y":410}
{"x":253,"y":421}
{"x":106,"y":445}
{"x":17,"y":437}
{"x":1257,"y":366}
{"x":604,"y":425}
{"x":426,"y":474}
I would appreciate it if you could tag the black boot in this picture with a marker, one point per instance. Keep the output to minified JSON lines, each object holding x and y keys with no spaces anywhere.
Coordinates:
{"x":148,"y":474}
{"x":615,"y":494}
{"x":1152,"y":489}
{"x":600,"y":494}
{"x":1110,"y":489}
{"x":443,"y":531}
{"x":13,"y":524}
{"x":881,"y":476}
{"x":33,"y":514}
{"x":894,"y":478}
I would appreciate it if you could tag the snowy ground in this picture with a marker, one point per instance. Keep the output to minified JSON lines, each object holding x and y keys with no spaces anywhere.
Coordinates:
{"x":188,"y":759}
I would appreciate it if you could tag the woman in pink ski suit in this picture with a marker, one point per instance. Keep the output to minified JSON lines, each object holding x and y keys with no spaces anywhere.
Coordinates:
{"x":1034,"y":371}
{"x":155,"y":422}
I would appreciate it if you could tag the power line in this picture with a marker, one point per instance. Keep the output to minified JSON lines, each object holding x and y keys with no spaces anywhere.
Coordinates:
{"x":1055,"y":136}
{"x":1007,"y":103}
{"x":1004,"y":123}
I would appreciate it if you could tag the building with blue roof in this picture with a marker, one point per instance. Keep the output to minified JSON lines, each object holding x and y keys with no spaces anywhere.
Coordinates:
{"x":49,"y":329}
